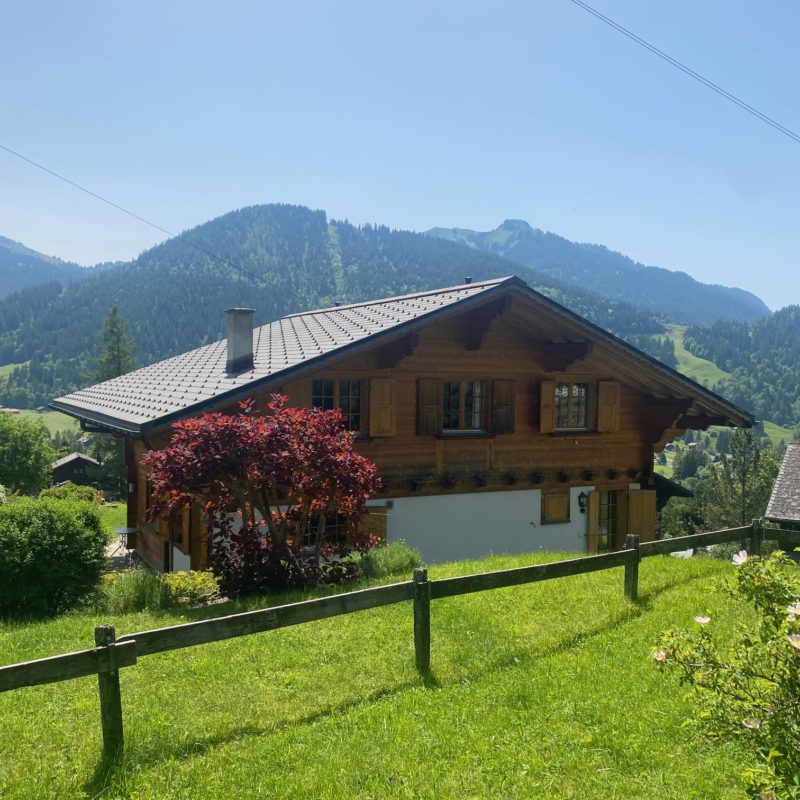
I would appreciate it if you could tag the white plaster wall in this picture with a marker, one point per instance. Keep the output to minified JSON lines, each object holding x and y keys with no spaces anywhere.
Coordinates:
{"x":450,"y":527}
{"x":180,"y":561}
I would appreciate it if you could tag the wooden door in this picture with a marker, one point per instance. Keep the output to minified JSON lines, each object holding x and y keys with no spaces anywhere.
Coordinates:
{"x":642,"y":514}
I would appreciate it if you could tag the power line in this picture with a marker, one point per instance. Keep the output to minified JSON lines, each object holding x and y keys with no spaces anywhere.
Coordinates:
{"x":690,"y":72}
{"x":105,"y":200}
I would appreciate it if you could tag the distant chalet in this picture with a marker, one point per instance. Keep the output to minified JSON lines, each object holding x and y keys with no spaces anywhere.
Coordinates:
{"x":784,"y":503}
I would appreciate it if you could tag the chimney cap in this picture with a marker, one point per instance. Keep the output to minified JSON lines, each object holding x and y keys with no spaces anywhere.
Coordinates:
{"x":468,"y":279}
{"x":236,"y":310}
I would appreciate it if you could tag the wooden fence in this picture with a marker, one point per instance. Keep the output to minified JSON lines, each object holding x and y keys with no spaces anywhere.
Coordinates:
{"x":112,"y":654}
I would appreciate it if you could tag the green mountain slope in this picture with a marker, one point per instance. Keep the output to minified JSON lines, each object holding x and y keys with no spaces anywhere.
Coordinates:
{"x":762,"y":361}
{"x":278,"y":259}
{"x":21,"y":267}
{"x":598,"y":269}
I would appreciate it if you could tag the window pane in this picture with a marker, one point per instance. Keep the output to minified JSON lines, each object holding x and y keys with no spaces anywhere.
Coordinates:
{"x":474,"y":405}
{"x":562,"y":405}
{"x":578,"y":415}
{"x":350,"y":403}
{"x":452,"y":406}
{"x":322,"y":394}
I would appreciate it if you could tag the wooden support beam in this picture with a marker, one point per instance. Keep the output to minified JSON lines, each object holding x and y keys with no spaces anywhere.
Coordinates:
{"x":110,"y":699}
{"x":557,"y":356}
{"x":422,"y":620}
{"x":476,"y":323}
{"x":392,"y":353}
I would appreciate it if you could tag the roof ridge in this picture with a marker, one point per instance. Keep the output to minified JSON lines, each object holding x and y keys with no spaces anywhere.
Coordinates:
{"x":426,"y":293}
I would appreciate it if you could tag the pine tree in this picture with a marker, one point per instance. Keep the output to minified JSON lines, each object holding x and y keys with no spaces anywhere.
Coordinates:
{"x":113,"y":348}
{"x":113,"y":357}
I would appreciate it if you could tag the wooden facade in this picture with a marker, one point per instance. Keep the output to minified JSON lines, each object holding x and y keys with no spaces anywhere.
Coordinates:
{"x":510,"y":359}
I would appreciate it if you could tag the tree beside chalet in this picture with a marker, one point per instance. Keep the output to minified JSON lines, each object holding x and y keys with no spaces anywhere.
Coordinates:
{"x":500,"y":421}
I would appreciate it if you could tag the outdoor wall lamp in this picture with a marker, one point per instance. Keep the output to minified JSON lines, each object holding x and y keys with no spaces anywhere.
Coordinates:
{"x":582,"y":499}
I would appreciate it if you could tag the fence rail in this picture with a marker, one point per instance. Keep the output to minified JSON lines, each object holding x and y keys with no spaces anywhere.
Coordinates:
{"x":111,"y":654}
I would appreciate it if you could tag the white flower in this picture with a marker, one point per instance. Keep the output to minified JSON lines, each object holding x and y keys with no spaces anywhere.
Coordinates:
{"x":702,"y":620}
{"x":794,"y":640}
{"x":660,"y":656}
{"x":754,"y":724}
{"x":740,"y":557}
{"x":793,"y":611}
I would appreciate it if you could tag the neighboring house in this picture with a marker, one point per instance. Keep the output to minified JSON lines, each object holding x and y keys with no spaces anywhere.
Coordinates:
{"x":73,"y":468}
{"x":500,"y":420}
{"x":784,"y":503}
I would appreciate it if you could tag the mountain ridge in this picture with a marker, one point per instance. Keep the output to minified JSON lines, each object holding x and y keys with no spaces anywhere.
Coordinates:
{"x":675,"y":294}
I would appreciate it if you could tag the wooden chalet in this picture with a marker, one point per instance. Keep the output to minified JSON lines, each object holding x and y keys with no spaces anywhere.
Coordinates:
{"x":500,"y":420}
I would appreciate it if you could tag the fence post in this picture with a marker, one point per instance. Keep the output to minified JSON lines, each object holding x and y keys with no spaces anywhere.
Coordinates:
{"x":110,"y":699}
{"x":422,"y":620}
{"x":632,"y":568}
{"x":756,"y":537}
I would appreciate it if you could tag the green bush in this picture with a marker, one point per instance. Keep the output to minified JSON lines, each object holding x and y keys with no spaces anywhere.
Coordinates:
{"x":52,"y":553}
{"x":140,"y":589}
{"x":70,"y":491}
{"x":389,"y":559}
{"x":747,"y":687}
{"x":191,"y":588}
{"x":130,"y":591}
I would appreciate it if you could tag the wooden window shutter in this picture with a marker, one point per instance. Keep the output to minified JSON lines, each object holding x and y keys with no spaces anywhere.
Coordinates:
{"x":555,"y":507}
{"x":642,"y":514}
{"x":299,"y":393}
{"x":547,"y":407}
{"x":381,"y":407}
{"x":502,"y":406}
{"x":593,"y":520}
{"x":429,"y":410}
{"x":608,"y":394}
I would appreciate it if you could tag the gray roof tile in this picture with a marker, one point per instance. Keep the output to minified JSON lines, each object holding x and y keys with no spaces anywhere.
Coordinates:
{"x":784,"y":504}
{"x":162,"y":390}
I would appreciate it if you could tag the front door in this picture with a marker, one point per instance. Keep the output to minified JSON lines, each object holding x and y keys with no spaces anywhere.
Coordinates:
{"x":605,"y":518}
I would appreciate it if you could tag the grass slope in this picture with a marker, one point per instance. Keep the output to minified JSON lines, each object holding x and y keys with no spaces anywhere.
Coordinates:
{"x":540,"y":691}
{"x":7,"y":369}
{"x":698,"y":369}
{"x":54,"y":421}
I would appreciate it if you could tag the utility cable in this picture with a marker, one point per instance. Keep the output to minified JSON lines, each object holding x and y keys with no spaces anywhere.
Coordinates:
{"x":689,"y":71}
{"x":105,"y":200}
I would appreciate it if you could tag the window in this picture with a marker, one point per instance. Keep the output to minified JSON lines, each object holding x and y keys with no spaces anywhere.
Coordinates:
{"x":464,"y":406}
{"x":555,"y":507}
{"x":344,"y":394}
{"x":337,"y":529}
{"x":571,"y":406}
{"x":607,"y":521}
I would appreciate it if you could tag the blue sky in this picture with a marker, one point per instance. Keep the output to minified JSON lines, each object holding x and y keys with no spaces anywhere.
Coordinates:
{"x":410,"y":114}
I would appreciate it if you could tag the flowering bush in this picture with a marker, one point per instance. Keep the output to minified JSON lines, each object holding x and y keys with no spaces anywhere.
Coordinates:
{"x":748,"y":690}
{"x":268,"y":485}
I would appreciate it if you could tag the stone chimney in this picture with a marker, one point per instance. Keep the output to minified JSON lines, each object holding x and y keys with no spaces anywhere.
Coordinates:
{"x":240,"y":340}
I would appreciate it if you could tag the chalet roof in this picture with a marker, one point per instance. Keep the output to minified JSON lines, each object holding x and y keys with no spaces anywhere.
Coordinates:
{"x":784,"y":503}
{"x":74,"y":457}
{"x":186,"y":384}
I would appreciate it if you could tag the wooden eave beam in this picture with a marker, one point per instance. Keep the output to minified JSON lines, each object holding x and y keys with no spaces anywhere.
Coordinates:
{"x":557,"y":356}
{"x":477,"y":323}
{"x":391,"y":354}
{"x":700,"y":422}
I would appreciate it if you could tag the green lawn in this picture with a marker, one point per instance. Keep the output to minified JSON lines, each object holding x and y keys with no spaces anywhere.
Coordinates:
{"x":545,"y":690}
{"x":777,"y":433}
{"x":54,"y":421}
{"x":114,"y":515}
{"x":7,"y":369}
{"x":698,"y":369}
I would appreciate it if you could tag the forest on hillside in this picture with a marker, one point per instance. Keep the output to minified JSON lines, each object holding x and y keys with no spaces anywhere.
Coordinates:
{"x":763,"y":359}
{"x":278,"y":259}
